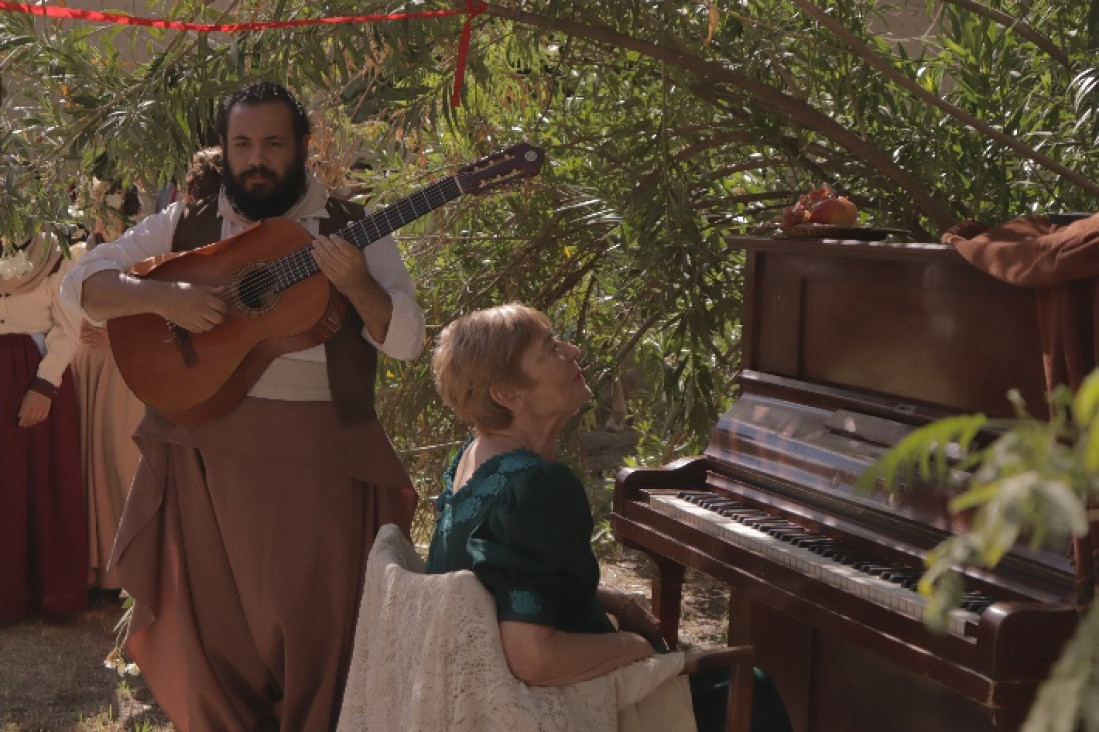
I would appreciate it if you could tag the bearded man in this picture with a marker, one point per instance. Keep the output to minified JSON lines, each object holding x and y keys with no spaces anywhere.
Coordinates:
{"x":244,"y":538}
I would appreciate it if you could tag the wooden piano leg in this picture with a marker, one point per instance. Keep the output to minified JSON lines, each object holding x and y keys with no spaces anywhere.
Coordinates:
{"x":667,"y":597}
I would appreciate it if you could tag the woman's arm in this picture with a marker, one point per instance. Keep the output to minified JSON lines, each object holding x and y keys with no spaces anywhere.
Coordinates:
{"x":543,"y":656}
{"x":631,"y":615}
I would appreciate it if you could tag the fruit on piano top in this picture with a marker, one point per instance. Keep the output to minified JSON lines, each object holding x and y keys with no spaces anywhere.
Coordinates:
{"x":837,"y":211}
{"x":820,"y":206}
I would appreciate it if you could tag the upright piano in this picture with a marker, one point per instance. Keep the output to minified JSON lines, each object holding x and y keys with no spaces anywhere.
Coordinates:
{"x":847,"y":346}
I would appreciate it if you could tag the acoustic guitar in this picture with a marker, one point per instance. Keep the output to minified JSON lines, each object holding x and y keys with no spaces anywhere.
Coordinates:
{"x":278,"y":300}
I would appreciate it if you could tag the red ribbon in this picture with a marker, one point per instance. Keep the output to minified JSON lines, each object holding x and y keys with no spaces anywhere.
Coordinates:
{"x":473,"y":8}
{"x":52,"y":11}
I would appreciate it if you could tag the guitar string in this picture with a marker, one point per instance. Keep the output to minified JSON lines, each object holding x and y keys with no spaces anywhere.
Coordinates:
{"x":299,"y":264}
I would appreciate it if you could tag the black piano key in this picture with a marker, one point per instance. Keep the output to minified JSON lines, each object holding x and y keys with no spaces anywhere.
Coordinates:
{"x":903,"y":576}
{"x":788,"y":534}
{"x":869,"y":567}
{"x":976,"y":602}
{"x":846,"y":555}
{"x":809,"y":540}
{"x":761,"y":523}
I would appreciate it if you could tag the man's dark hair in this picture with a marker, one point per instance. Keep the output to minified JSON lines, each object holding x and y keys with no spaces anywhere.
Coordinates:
{"x":259,"y":92}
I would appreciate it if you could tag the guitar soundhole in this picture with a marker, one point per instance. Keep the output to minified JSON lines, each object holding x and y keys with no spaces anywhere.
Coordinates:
{"x":254,"y":290}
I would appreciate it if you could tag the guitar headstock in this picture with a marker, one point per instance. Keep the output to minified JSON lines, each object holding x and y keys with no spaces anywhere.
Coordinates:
{"x":501,"y":169}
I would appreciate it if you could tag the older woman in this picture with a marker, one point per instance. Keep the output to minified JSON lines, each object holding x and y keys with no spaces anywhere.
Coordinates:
{"x":519,"y":519}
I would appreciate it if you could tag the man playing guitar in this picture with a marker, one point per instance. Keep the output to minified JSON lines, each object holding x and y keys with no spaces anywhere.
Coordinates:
{"x":245,"y":536}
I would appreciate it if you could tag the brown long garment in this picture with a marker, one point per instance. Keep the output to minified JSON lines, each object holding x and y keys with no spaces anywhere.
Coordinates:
{"x":244,"y":543}
{"x":1061,"y":264}
{"x":109,"y":413}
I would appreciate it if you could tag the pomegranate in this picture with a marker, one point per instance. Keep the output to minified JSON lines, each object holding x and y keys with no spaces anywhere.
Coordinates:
{"x":820,"y":206}
{"x":837,"y":211}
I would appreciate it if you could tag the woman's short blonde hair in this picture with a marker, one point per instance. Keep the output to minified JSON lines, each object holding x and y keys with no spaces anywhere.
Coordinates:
{"x":481,"y":350}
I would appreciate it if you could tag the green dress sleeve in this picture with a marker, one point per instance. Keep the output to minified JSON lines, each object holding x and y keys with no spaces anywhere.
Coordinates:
{"x":533,"y":551}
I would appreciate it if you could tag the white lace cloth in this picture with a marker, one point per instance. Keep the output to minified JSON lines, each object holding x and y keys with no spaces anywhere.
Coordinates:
{"x":427,"y":657}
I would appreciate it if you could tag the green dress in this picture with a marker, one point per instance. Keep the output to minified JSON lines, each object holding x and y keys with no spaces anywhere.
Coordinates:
{"x":523,"y":526}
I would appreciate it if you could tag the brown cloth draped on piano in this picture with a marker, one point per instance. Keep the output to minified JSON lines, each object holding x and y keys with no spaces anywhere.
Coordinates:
{"x":1061,"y":264}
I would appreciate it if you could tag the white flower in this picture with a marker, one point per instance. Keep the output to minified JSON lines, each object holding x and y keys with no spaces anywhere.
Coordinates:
{"x":15,"y":265}
{"x":99,"y":189}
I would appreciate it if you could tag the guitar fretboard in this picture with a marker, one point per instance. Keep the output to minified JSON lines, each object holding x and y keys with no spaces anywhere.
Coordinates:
{"x":298,"y":265}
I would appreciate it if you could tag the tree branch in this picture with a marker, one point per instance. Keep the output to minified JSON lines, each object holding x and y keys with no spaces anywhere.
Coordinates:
{"x":938,"y":211}
{"x":872,"y":58}
{"x":1011,"y":23}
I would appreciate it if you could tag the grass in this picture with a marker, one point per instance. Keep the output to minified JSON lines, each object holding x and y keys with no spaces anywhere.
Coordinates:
{"x":53,"y":678}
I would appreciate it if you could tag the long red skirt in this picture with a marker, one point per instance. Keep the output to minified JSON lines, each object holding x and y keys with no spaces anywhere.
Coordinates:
{"x":43,"y":523}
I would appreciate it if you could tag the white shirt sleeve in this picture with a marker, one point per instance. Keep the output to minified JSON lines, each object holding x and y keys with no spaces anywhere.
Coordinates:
{"x":148,"y":238}
{"x":61,"y":339}
{"x":405,"y":338}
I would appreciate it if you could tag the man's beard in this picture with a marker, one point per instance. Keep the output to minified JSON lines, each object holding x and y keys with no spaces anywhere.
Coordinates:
{"x":275,"y":202}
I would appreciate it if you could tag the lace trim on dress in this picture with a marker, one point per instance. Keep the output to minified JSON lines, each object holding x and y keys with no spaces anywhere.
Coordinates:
{"x":457,"y":508}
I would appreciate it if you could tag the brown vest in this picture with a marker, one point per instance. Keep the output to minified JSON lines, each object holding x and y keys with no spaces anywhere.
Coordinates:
{"x":352,"y":362}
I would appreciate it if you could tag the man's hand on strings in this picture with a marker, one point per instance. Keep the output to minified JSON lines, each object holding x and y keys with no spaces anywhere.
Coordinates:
{"x":342,"y":263}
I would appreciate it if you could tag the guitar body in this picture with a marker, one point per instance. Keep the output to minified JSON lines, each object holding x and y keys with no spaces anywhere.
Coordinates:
{"x":192,"y":377}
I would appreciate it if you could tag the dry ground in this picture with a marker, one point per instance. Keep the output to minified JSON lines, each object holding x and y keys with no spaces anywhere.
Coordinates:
{"x":53,"y":679}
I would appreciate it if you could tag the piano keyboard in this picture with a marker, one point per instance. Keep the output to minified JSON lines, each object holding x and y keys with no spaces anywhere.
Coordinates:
{"x":845,"y":567}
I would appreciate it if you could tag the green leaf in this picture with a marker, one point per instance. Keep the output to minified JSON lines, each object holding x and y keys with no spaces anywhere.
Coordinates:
{"x":1085,"y":406}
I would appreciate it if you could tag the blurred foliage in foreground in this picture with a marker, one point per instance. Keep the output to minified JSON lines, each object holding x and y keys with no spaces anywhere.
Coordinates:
{"x":1031,"y":484}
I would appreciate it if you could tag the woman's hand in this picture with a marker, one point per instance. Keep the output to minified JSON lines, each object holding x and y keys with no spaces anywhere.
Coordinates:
{"x":632,"y":616}
{"x":34,"y":409}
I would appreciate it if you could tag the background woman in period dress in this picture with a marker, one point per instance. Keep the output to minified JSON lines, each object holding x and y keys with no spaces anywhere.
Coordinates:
{"x":109,"y":411}
{"x":521,"y":520}
{"x":43,"y":528}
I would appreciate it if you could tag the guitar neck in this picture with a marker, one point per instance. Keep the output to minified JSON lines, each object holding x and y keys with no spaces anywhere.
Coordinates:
{"x":297,"y":266}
